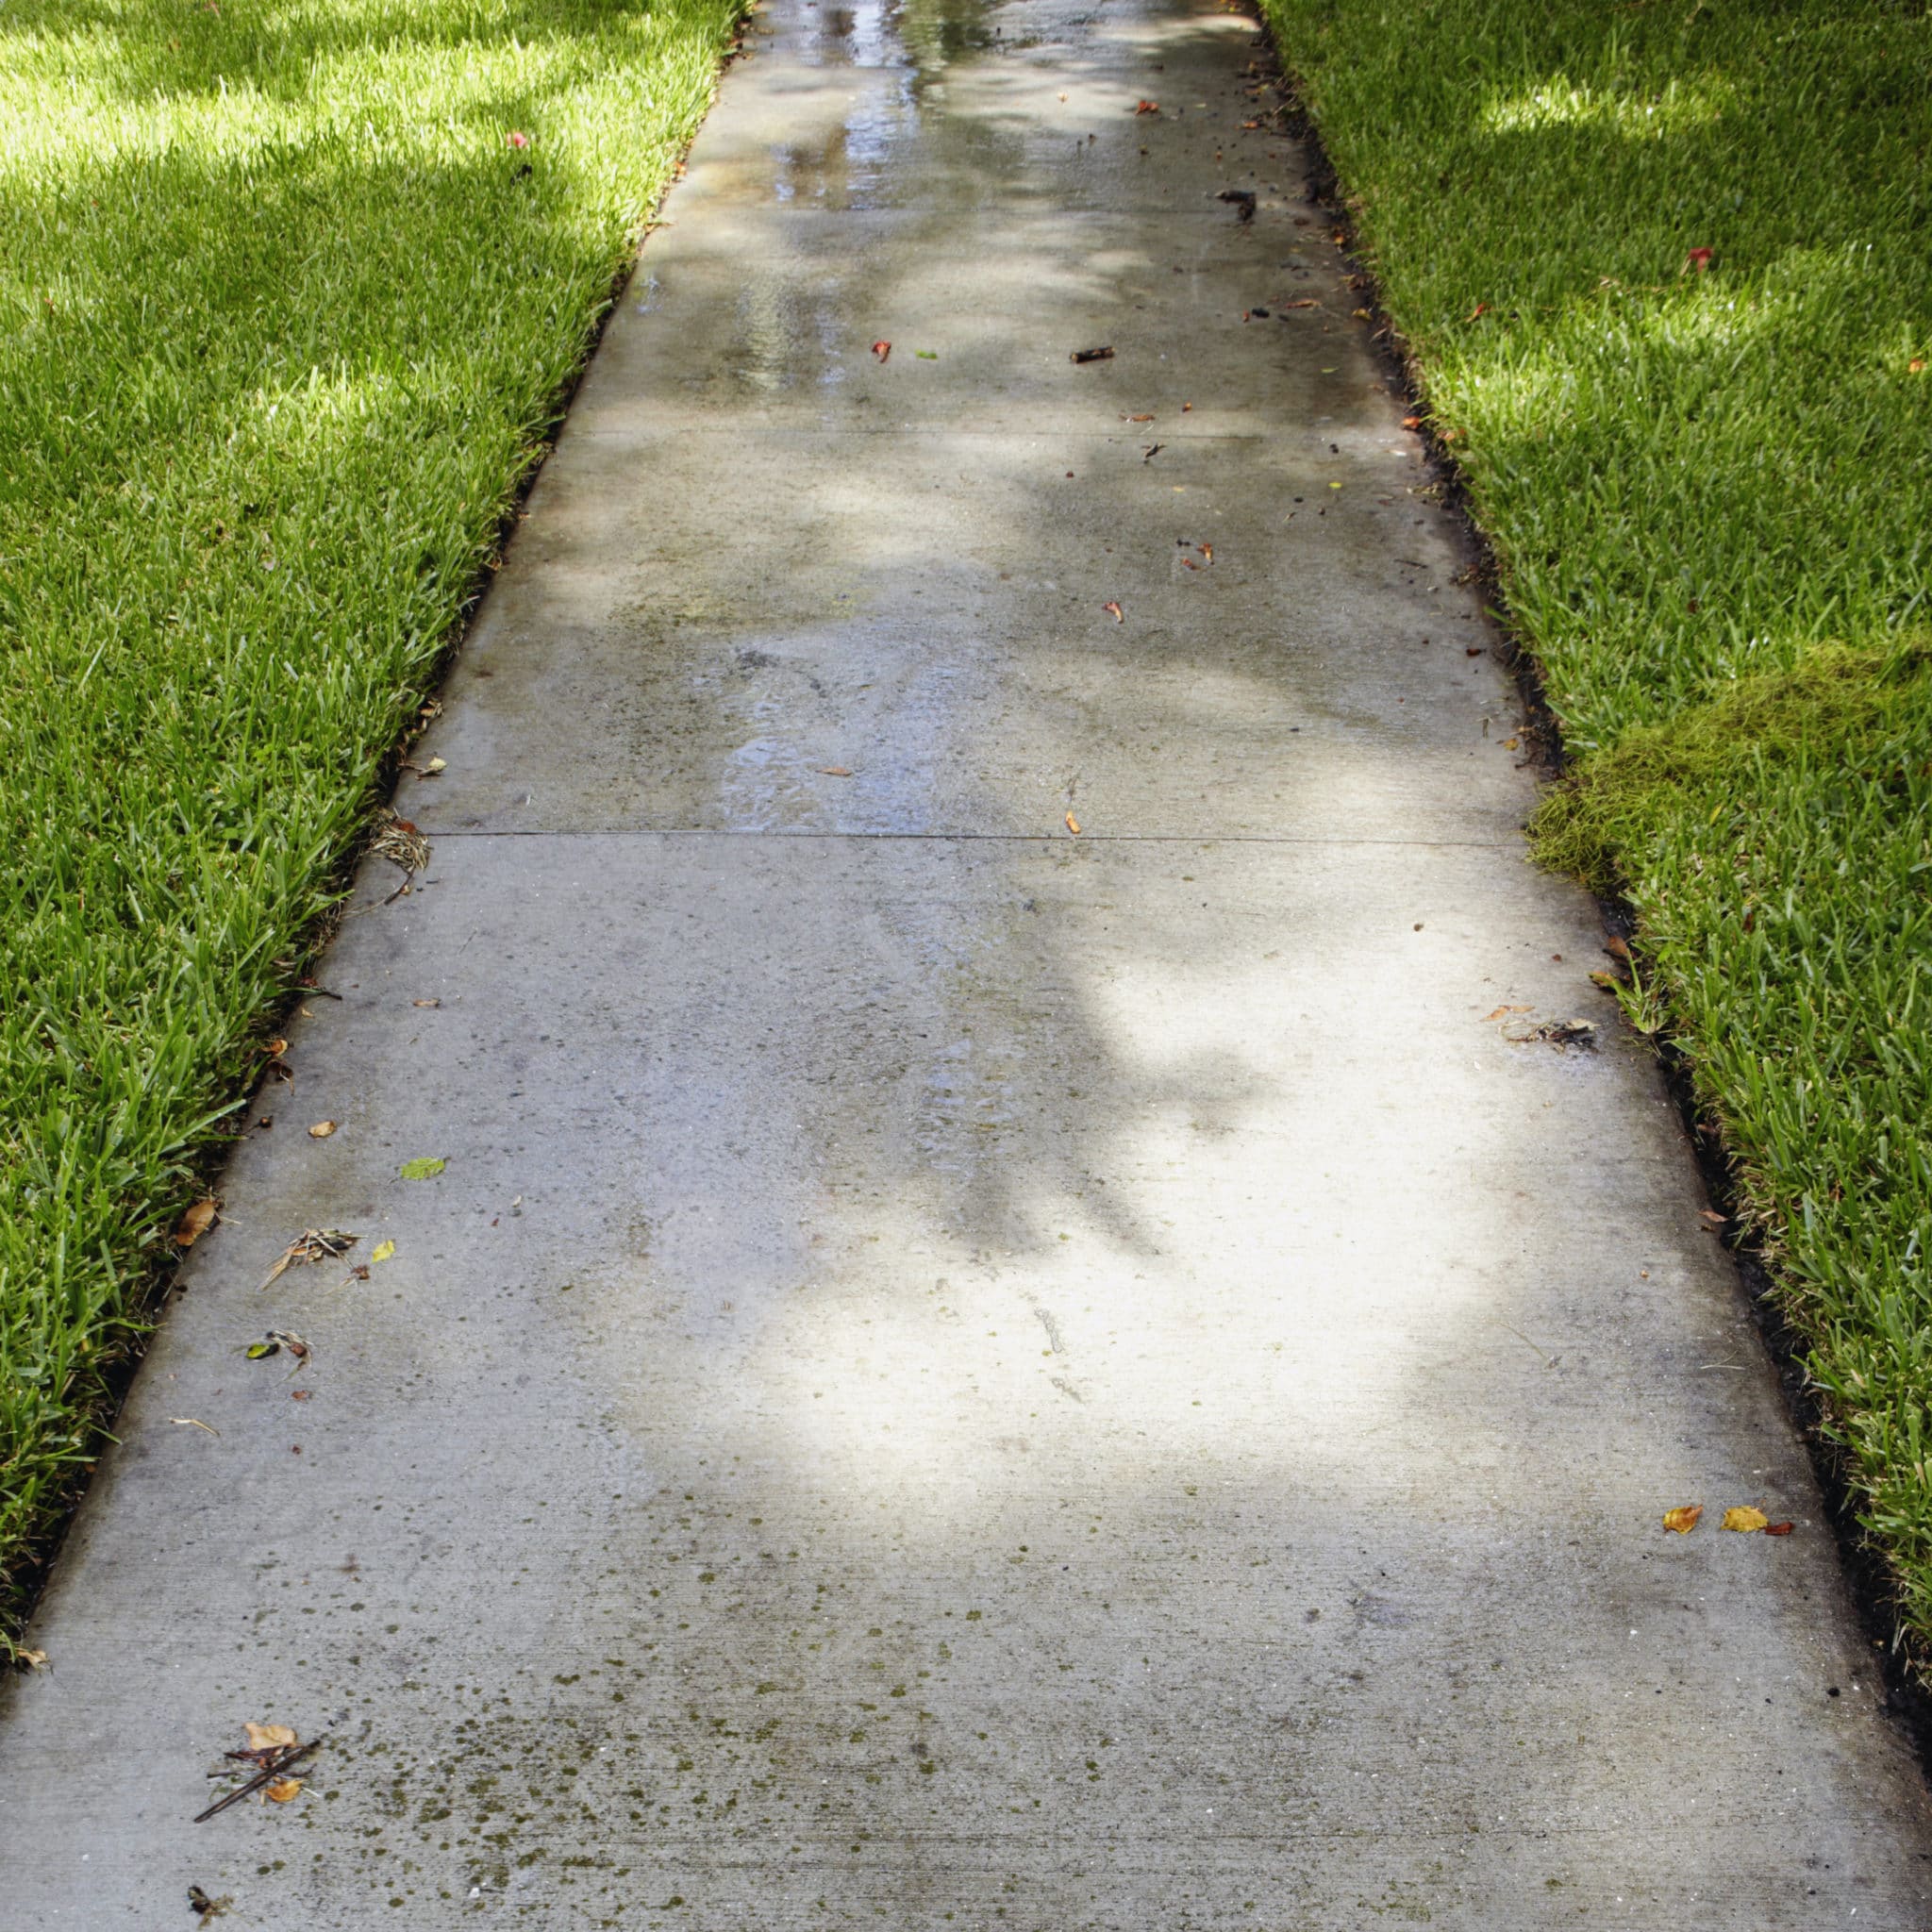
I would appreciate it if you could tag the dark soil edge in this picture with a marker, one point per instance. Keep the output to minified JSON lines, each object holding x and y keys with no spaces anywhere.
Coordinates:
{"x":1871,"y":1584}
{"x":31,"y":1568}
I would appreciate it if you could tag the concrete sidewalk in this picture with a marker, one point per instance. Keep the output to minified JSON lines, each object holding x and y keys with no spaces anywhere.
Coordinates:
{"x":957,"y":1374}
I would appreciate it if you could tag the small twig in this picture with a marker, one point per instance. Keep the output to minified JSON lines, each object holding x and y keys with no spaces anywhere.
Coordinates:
{"x":1521,"y":1337}
{"x":293,"y":1755}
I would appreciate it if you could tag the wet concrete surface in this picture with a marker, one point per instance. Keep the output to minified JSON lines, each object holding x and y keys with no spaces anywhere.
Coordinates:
{"x":957,"y":1374}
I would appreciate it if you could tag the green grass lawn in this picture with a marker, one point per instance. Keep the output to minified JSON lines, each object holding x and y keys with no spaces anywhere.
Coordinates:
{"x":285,"y":315}
{"x":1709,"y":492}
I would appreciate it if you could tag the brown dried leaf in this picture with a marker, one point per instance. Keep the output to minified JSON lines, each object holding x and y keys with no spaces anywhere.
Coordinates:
{"x":1685,"y":1520}
{"x":1617,"y":947}
{"x":425,"y":1002}
{"x":835,"y":770}
{"x":1114,"y":611}
{"x":1746,"y":1519}
{"x":1779,"y":1529}
{"x":276,"y":1048}
{"x":1712,"y":1218}
{"x":1503,"y":1013}
{"x":882,"y":348}
{"x":321,"y":1131}
{"x":269,"y":1736}
{"x":37,"y":1659}
{"x":197,"y":1223}
{"x":1146,"y":107}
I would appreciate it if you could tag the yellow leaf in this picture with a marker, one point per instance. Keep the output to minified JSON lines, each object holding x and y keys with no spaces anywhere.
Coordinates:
{"x":321,"y":1131}
{"x":1746,"y":1519}
{"x":283,"y":1789}
{"x":1685,"y":1520}
{"x":385,"y":1252}
{"x":269,"y":1736}
{"x":1073,"y":825}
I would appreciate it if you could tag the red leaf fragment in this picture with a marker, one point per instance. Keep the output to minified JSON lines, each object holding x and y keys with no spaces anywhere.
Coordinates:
{"x":516,"y":138}
{"x":1147,"y":106}
{"x":1114,"y":611}
{"x":1698,"y":258}
{"x":882,"y":349}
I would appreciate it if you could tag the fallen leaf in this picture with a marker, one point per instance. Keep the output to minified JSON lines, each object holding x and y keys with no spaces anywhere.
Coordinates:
{"x":197,"y":1223}
{"x":269,"y":1736}
{"x":298,"y":1394}
{"x":1712,"y":1218}
{"x":1480,"y":308}
{"x":1503,"y":1011}
{"x":188,"y":1422}
{"x":321,"y":1131}
{"x":361,"y":1273}
{"x":1073,"y":825}
{"x":203,"y":1906}
{"x":1698,"y":258}
{"x":1146,"y":107}
{"x":516,"y":138}
{"x":1745,"y":1520}
{"x":1411,"y":421}
{"x":1685,"y":1520}
{"x":882,"y":349}
{"x":384,"y":1251}
{"x":1307,"y":302}
{"x":276,"y":1048}
{"x":1105,"y":355}
{"x":1608,"y":981}
{"x":835,"y":770}
{"x":1114,"y":611}
{"x":283,"y":1789}
{"x":927,"y":354}
{"x":423,"y":1167}
{"x":1617,"y":947}
{"x":1511,"y":744}
{"x":425,"y":1002}
{"x":1779,"y":1529}
{"x":1189,"y":563}
{"x":1206,"y":550}
{"x":1148,"y":418}
{"x":33,"y":1659}
{"x":434,"y":766}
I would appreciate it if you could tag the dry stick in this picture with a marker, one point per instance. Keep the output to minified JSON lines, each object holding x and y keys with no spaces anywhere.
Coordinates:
{"x":294,"y":1754}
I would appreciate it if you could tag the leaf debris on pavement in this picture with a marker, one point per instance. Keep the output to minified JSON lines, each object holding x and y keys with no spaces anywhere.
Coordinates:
{"x":313,"y":1244}
{"x":321,"y":1131}
{"x":205,"y":1908}
{"x":383,"y":1251}
{"x":1683,"y":1521}
{"x":425,"y":1167}
{"x":189,"y":1422}
{"x":1745,"y":1519}
{"x":1114,"y":611}
{"x":280,"y":1342}
{"x":1101,"y":355}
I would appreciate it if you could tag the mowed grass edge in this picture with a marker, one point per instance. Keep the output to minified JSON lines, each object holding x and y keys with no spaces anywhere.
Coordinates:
{"x":1664,"y":273}
{"x":290,"y":295}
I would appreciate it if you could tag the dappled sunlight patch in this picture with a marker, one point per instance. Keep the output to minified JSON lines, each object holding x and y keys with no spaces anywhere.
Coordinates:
{"x":1674,"y":108}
